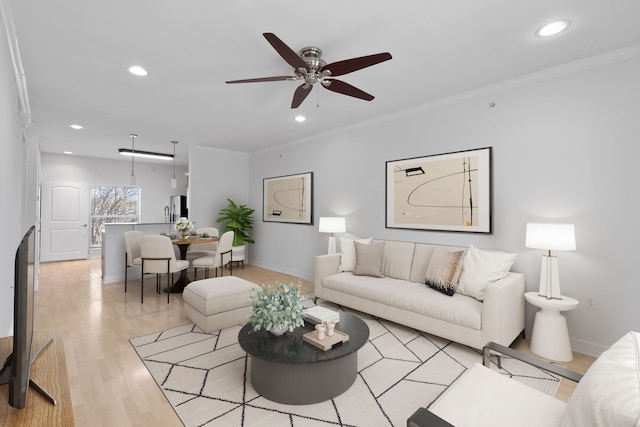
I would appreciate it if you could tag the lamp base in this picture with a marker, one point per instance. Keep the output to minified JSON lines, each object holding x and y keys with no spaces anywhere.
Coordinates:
{"x":549,"y":278}
{"x":332,"y":245}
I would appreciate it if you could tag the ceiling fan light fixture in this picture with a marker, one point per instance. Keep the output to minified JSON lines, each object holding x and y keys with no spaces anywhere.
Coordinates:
{"x":553,"y":28}
{"x":137,"y":70}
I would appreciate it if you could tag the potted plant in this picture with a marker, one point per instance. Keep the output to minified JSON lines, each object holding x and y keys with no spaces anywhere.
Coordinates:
{"x":239,"y":219}
{"x":277,"y":308}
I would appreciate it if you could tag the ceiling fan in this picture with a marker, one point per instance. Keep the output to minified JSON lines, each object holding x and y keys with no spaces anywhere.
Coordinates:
{"x":310,"y":67}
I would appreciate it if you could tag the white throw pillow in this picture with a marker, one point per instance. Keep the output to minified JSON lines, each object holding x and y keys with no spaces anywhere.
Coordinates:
{"x":348,"y":252}
{"x":480,"y":268}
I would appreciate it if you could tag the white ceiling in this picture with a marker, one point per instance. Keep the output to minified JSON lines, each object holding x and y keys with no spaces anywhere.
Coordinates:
{"x":76,"y":54}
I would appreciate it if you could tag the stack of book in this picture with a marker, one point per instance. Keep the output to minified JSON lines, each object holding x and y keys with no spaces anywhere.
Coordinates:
{"x":317,"y":314}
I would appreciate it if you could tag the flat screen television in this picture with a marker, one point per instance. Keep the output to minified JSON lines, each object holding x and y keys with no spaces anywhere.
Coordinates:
{"x":17,"y":367}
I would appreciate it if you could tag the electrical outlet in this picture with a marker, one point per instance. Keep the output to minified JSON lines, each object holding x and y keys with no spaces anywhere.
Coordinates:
{"x":591,"y":303}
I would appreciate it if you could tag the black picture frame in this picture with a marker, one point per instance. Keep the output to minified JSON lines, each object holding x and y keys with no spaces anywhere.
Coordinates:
{"x":441,"y":192}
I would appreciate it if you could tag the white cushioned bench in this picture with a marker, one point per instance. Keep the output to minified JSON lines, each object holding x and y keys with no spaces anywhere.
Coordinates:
{"x":217,"y":303}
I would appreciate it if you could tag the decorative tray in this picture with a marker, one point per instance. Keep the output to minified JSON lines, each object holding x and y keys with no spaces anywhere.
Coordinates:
{"x":328,"y":342}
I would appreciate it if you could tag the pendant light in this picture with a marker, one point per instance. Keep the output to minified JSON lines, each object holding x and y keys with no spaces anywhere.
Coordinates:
{"x":132,"y":179}
{"x":174,"y":183}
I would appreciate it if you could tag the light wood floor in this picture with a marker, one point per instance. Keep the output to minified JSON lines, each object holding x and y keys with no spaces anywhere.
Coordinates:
{"x":109,"y":384}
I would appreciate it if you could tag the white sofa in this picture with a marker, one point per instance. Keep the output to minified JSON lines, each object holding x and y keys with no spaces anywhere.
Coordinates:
{"x":401,"y":296}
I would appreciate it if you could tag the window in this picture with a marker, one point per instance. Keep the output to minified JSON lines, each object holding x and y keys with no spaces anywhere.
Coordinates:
{"x":112,"y":205}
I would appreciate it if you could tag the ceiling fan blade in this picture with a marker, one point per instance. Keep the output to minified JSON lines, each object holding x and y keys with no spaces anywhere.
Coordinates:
{"x":286,"y":52}
{"x":301,"y":94}
{"x":346,"y":89}
{"x":340,"y":68}
{"x":264,"y":79}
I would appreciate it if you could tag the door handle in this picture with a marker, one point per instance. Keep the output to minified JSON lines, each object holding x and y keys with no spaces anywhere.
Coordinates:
{"x":84,"y":225}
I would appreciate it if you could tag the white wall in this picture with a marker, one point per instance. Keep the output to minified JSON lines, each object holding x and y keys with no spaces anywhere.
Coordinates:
{"x":215,"y":176}
{"x":14,"y":179}
{"x":153,"y":179}
{"x":565,"y":149}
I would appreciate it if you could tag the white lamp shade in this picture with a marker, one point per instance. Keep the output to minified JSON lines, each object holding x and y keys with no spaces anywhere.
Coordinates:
{"x":559,"y":237}
{"x":331,"y":224}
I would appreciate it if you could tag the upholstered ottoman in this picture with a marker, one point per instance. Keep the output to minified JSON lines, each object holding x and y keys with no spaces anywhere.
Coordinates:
{"x":214,"y":304}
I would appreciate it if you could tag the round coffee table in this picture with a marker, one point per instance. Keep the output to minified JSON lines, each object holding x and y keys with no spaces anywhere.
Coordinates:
{"x":286,"y":369}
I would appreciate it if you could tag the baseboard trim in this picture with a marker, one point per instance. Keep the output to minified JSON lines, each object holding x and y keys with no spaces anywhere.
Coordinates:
{"x":279,"y":269}
{"x":587,"y":347}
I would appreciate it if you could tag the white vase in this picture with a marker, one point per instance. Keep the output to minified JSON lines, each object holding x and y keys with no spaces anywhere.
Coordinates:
{"x":275,"y":330}
{"x":238,"y":253}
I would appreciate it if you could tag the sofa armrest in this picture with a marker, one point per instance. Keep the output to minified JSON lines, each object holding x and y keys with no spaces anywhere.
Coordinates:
{"x":503,"y":309}
{"x":515,"y":354}
{"x":325,"y":265}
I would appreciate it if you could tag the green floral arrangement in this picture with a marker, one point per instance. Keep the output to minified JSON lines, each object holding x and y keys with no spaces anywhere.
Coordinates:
{"x":277,"y":306}
{"x":183,"y":226}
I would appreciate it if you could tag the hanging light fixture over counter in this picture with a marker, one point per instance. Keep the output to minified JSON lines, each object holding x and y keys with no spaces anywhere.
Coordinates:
{"x":147,"y":154}
{"x":174,"y":182}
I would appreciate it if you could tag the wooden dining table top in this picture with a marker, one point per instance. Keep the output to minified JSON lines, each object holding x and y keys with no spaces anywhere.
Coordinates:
{"x":194,"y":240}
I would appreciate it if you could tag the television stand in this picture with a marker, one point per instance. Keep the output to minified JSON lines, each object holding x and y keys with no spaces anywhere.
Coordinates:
{"x":35,"y":385}
{"x":6,"y":371}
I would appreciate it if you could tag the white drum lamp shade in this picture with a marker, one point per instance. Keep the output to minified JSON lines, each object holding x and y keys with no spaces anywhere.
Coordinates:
{"x":559,"y":237}
{"x":330,"y":224}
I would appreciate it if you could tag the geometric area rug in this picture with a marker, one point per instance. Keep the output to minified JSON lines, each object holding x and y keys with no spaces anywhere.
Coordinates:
{"x":206,"y":377}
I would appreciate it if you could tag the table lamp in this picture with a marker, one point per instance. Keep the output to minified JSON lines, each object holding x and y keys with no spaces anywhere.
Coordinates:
{"x":550,"y":237}
{"x":329,"y":224}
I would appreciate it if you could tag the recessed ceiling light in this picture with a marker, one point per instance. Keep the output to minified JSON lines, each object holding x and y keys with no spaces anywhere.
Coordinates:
{"x":75,"y":127}
{"x":138,"y":70}
{"x":553,"y":28}
{"x":300,"y":119}
{"x":68,"y":152}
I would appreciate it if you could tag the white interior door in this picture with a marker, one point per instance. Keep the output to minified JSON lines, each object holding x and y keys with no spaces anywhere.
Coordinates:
{"x":65,"y":214}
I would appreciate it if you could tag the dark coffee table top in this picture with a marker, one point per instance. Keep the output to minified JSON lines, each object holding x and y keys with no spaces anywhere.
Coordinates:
{"x":289,"y":348}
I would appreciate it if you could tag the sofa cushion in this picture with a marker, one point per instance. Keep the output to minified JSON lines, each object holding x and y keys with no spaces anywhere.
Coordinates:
{"x":480,"y":268}
{"x":368,"y":259}
{"x":483,"y":397}
{"x":609,"y":393}
{"x":416,"y":297}
{"x":348,"y":252}
{"x":444,"y":270}
{"x":397,"y":258}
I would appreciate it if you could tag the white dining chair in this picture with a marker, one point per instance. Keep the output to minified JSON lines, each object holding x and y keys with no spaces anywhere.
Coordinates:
{"x":158,"y":257}
{"x":131,"y":252}
{"x":203,"y":249}
{"x":221,"y":258}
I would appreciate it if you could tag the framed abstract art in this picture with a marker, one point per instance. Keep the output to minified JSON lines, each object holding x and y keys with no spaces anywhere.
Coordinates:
{"x":444,"y":192}
{"x":288,"y":199}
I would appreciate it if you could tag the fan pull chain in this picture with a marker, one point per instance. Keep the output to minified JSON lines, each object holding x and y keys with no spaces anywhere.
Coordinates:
{"x":318,"y":95}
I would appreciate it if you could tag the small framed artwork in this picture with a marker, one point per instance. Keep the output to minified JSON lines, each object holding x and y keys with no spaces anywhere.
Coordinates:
{"x":444,"y":192}
{"x":288,"y":199}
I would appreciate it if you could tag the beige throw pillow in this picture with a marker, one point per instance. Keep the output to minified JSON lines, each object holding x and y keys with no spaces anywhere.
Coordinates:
{"x":368,"y":260}
{"x":348,"y":252}
{"x":443,"y":271}
{"x":480,"y":268}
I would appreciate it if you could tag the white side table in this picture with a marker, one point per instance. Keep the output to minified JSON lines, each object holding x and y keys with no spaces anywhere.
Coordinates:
{"x":550,"y":338}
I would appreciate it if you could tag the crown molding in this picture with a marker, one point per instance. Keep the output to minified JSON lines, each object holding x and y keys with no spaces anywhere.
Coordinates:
{"x":573,"y":67}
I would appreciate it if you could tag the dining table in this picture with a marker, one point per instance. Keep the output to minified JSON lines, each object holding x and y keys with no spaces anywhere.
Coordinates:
{"x":183,"y":245}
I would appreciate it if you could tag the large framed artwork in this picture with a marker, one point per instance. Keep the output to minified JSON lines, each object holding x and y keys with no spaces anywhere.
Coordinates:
{"x":288,"y":199}
{"x":446,"y":192}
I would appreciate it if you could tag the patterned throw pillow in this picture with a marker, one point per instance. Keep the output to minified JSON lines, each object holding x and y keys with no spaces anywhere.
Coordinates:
{"x":444,"y":270}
